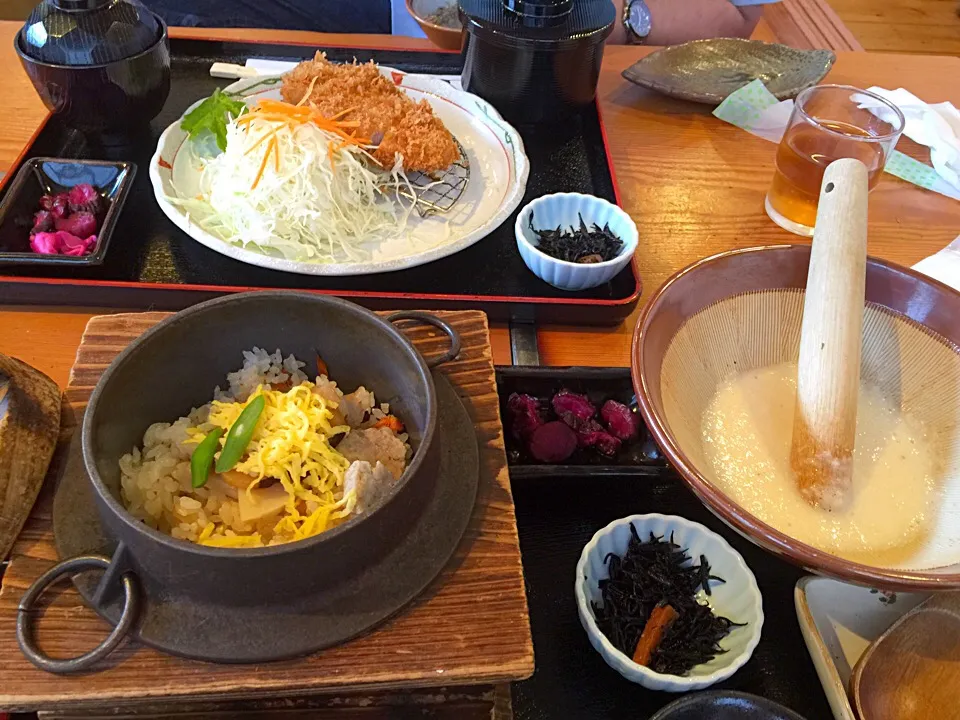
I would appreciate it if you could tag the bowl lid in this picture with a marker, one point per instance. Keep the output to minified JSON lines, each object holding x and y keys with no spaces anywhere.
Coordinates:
{"x":539,"y":21}
{"x":88,"y":32}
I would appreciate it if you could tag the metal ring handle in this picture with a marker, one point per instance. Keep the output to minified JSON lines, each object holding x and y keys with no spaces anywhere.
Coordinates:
{"x":429,"y":319}
{"x":131,"y":609}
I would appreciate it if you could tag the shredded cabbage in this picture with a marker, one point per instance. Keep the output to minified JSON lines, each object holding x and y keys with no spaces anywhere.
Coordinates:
{"x":315,"y":198}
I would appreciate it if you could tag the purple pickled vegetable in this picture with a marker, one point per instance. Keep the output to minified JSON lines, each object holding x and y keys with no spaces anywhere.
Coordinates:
{"x":579,"y":406}
{"x":607,"y":445}
{"x":526,"y":415}
{"x":62,"y":243}
{"x":585,"y":429}
{"x":80,"y":224}
{"x":76,"y":247}
{"x":620,"y":421}
{"x":42,"y":222}
{"x":45,"y":243}
{"x":58,"y":204}
{"x":553,"y":442}
{"x":591,"y":434}
{"x":601,"y":440}
{"x":84,"y":198}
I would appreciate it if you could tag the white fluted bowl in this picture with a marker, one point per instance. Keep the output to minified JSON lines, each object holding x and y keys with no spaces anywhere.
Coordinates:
{"x":564,"y":210}
{"x":738,"y":599}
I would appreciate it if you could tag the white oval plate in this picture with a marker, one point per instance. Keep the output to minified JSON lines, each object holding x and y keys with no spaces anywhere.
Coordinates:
{"x":498,"y":177}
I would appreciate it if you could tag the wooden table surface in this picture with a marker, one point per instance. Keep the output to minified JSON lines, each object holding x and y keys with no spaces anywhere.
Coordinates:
{"x":694,"y":185}
{"x":913,"y":26}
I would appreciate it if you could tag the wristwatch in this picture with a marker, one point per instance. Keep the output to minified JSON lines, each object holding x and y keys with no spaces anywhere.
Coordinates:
{"x":636,"y":21}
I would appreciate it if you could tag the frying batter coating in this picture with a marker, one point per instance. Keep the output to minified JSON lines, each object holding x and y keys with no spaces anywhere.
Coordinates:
{"x":361,"y":93}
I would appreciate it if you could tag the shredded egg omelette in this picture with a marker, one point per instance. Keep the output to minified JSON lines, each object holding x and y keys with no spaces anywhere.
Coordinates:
{"x":290,"y":444}
{"x":275,"y":458}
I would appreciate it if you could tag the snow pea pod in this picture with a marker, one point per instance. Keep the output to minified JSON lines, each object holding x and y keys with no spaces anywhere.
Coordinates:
{"x":240,"y":433}
{"x":202,"y":458}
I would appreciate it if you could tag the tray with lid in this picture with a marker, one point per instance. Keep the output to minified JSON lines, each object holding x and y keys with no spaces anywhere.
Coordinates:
{"x":152,"y":263}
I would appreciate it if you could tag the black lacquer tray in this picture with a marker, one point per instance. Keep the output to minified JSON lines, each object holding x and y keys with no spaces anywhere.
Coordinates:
{"x":560,"y":507}
{"x":557,"y":516}
{"x":153,"y":264}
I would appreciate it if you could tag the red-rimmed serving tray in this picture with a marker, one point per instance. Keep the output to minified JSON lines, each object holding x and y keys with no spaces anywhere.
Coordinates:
{"x":153,"y":264}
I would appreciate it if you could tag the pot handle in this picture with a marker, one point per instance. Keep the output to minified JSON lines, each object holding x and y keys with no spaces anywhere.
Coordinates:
{"x":430,"y":319}
{"x":131,"y":609}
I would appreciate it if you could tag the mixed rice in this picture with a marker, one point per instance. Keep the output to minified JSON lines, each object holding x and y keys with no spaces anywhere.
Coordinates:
{"x":318,"y":456}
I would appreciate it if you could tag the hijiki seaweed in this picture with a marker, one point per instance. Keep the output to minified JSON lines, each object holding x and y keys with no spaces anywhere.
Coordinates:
{"x":656,"y":574}
{"x":579,"y":244}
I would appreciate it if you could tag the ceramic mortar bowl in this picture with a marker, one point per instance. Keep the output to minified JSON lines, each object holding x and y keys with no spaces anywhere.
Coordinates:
{"x":742,"y":310}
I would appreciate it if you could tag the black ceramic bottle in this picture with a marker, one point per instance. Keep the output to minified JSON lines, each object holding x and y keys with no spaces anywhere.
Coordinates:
{"x":536,"y":61}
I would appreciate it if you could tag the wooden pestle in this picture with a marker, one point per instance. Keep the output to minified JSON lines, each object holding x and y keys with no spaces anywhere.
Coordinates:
{"x":828,"y":379}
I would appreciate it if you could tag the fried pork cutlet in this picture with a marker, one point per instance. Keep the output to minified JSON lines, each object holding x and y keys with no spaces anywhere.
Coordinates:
{"x":363,"y":94}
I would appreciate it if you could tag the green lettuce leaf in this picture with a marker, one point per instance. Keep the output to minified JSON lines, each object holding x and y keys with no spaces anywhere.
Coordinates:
{"x":212,"y":114}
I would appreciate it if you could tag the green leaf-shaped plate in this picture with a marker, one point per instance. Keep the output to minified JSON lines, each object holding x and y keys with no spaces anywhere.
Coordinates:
{"x":707,"y":71}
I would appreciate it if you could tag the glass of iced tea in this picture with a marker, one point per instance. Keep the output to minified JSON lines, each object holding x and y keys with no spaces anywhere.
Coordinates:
{"x":827,"y":124}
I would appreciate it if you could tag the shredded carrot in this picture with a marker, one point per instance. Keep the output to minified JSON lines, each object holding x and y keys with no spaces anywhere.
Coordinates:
{"x":278,"y":111}
{"x":661,"y":618}
{"x":263,"y":165}
{"x":392,"y":422}
{"x":290,"y":116}
{"x":339,"y":114}
{"x":309,"y":91}
{"x":258,"y":143}
{"x":322,"y":368}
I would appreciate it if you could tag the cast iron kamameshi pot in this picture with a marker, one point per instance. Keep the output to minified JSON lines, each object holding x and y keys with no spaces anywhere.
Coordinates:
{"x":173,"y":368}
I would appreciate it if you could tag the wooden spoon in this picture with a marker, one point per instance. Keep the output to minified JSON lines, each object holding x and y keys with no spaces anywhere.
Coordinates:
{"x":912,"y":671}
{"x":828,"y":380}
{"x":29,"y":428}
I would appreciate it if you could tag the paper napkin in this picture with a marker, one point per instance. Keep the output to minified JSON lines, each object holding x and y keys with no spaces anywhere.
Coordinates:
{"x":944,"y":265}
{"x":754,"y":108}
{"x":936,"y":126}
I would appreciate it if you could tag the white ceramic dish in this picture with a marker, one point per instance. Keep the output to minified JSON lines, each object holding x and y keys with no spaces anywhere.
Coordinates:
{"x":839,"y":621}
{"x":564,"y":210}
{"x":498,"y":176}
{"x":738,"y":599}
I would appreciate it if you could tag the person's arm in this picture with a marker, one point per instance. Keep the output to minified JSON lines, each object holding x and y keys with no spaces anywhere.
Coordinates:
{"x":677,"y":21}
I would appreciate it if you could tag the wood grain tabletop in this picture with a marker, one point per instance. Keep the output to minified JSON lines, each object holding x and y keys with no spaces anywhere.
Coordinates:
{"x":694,"y":185}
